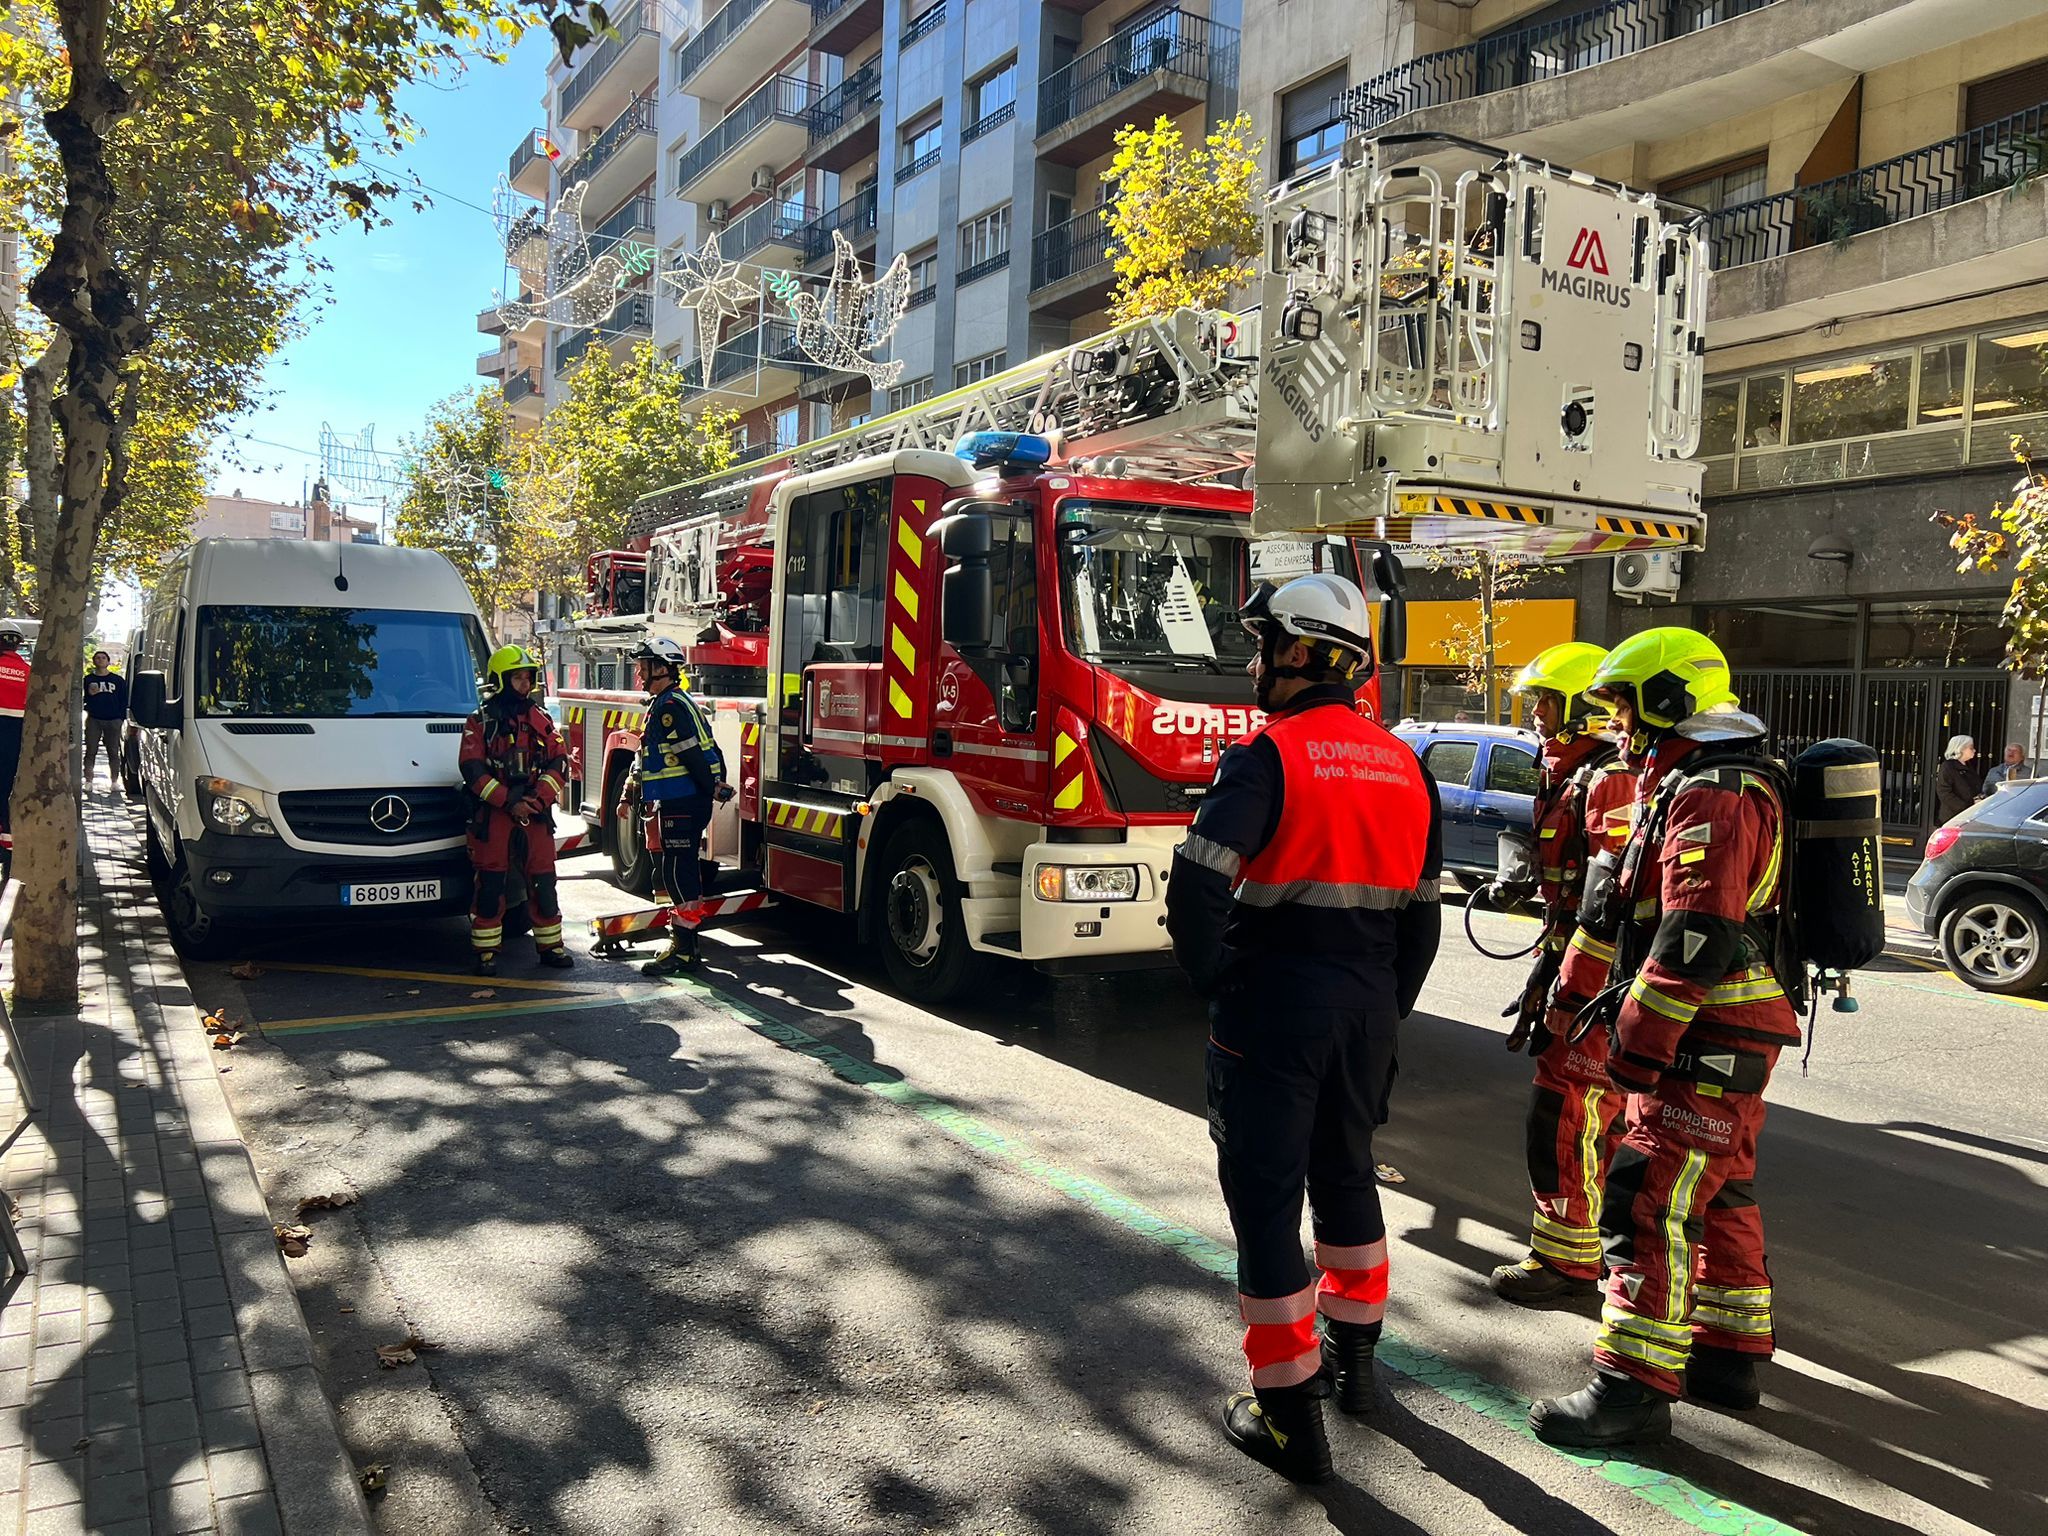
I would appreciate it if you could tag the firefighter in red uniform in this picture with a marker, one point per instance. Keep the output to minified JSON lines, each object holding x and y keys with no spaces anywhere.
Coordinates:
{"x":1686,"y":928}
{"x":1304,"y":905}
{"x":13,"y":706}
{"x":1584,"y":806}
{"x":512,"y":764}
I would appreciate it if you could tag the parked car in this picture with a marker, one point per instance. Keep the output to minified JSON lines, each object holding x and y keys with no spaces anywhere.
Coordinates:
{"x":1486,"y":777}
{"x":1983,"y":890}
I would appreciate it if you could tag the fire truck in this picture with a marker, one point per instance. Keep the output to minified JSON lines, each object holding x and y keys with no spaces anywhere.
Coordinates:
{"x":973,"y":663}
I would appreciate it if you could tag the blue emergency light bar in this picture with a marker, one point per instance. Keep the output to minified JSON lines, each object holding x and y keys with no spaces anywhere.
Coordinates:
{"x":1008,"y":451}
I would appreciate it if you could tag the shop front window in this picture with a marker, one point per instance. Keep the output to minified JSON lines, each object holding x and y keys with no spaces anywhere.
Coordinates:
{"x":2012,"y":374}
{"x":1941,"y":632}
{"x":1856,"y":398}
{"x":1817,"y":636}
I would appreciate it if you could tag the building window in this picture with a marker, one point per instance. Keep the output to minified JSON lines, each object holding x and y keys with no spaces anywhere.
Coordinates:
{"x":991,"y":101}
{"x":922,"y":139}
{"x":1856,"y":398}
{"x":2012,"y":374}
{"x":1720,"y":186}
{"x":974,"y":370}
{"x":1312,"y":124}
{"x":985,"y":244}
{"x":921,"y":20}
{"x":916,"y":392}
{"x":783,"y":426}
{"x":2017,"y":90}
{"x":924,"y":276}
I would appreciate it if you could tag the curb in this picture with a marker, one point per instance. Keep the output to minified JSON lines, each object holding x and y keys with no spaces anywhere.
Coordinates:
{"x":312,"y":1474}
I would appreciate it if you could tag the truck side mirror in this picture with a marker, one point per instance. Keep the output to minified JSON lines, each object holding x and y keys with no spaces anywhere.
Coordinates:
{"x":967,"y":597}
{"x":149,"y":703}
{"x":1391,"y":581}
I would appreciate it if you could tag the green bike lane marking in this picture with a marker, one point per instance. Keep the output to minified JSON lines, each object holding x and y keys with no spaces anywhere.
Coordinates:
{"x":1668,"y":1492}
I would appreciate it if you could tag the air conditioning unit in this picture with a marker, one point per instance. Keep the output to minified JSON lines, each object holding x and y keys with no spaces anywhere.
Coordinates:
{"x":1646,"y":575}
{"x":717,"y":210}
{"x":764,"y":178}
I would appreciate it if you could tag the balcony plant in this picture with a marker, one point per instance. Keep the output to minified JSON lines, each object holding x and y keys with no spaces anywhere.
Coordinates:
{"x":1840,"y":212}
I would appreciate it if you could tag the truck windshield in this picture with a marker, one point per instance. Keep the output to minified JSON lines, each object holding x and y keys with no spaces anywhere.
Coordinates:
{"x":264,"y":662}
{"x":1162,"y":586}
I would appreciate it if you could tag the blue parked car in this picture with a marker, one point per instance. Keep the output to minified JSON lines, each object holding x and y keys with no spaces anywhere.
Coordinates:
{"x":1486,"y":776}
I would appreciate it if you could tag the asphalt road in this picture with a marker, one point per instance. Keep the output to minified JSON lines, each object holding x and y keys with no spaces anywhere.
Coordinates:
{"x":786,"y":1254}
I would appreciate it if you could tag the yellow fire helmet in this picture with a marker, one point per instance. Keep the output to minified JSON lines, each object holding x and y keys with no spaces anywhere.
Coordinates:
{"x":506,"y":660}
{"x":1567,"y":669}
{"x":1671,"y":673}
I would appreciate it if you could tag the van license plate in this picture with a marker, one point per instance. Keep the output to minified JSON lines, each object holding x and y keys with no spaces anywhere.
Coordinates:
{"x":391,"y":893}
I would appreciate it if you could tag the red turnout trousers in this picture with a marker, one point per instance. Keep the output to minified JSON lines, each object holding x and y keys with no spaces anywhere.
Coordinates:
{"x":490,"y":855}
{"x":1683,"y":1234}
{"x":1570,"y":1139}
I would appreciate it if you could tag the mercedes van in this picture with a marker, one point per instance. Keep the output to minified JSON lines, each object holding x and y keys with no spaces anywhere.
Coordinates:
{"x":300,"y":709}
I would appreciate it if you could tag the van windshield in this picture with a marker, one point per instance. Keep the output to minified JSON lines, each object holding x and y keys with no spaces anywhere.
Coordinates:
{"x":258,"y":661}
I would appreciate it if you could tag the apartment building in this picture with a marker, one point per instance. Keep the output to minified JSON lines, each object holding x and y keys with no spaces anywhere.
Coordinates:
{"x":1878,"y":323}
{"x":251,"y":517}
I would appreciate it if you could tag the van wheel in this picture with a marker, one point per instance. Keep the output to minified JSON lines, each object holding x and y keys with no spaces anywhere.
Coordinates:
{"x":924,"y":934}
{"x":198,"y":935}
{"x":632,"y":864}
{"x":1997,"y":941}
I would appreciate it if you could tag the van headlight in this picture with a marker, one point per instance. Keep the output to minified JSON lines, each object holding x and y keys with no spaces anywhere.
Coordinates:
{"x":1087,"y":882}
{"x":234,"y":809}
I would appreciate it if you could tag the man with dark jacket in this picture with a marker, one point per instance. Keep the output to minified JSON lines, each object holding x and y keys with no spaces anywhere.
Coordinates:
{"x":106,"y":707}
{"x":1304,"y":905}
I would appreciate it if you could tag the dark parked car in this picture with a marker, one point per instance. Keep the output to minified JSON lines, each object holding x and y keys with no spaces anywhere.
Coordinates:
{"x":1983,"y":890}
{"x":1486,"y":776}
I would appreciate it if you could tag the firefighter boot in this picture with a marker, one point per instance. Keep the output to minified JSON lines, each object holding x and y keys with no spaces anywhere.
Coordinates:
{"x":1282,"y":1427}
{"x":1533,"y":1283}
{"x":1347,"y":1359}
{"x":1614,"y":1410}
{"x":675,"y":960}
{"x":1724,"y":1377}
{"x":487,"y":962}
{"x":558,"y":957}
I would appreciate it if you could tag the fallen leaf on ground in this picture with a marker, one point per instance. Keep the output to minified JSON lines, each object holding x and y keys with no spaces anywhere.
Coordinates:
{"x":484,"y":992}
{"x":293,"y":1240}
{"x":213,"y":1023}
{"x":333,"y":1202}
{"x":227,"y":1041}
{"x":248,"y":970}
{"x":404,"y":1352}
{"x":374,"y":1476}
{"x":1389,"y":1174}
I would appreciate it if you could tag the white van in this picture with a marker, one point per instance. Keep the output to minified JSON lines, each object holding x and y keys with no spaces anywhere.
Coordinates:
{"x":300,"y":707}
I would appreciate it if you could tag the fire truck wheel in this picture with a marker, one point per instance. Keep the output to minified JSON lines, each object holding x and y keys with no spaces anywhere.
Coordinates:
{"x":632,"y":864}
{"x":926,"y":951}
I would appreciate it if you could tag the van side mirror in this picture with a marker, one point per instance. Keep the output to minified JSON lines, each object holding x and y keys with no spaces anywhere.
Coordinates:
{"x":150,"y":705}
{"x":967,"y":598}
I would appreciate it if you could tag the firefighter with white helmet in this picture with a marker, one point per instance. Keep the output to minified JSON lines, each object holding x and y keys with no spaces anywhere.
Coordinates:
{"x":1304,"y":906}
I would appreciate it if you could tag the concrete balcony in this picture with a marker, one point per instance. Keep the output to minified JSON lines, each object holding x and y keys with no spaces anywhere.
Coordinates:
{"x":855,"y":218}
{"x":631,"y":322}
{"x":612,"y":71}
{"x":631,"y":223}
{"x":493,"y":364}
{"x":763,"y":133}
{"x":1072,"y":266}
{"x":839,"y":26}
{"x":618,"y":159}
{"x":489,"y":322}
{"x":521,"y":387}
{"x":1646,"y":71}
{"x":528,"y":169}
{"x":771,"y":233}
{"x":745,"y":38}
{"x":846,"y":123}
{"x":753,"y":368}
{"x":1168,"y":63}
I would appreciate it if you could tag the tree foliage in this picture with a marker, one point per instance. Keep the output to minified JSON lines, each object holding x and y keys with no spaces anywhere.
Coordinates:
{"x":2013,"y":536}
{"x":1475,"y":643}
{"x":457,"y":496}
{"x":1185,"y":221}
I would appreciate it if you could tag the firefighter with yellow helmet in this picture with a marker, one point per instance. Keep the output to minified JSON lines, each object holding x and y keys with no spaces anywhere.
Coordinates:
{"x":513,"y":764}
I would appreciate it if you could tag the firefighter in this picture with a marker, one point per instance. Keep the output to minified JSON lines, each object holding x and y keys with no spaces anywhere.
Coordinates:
{"x":1685,"y":931}
{"x":679,"y":774}
{"x":13,"y":706}
{"x":513,"y":764}
{"x":1583,"y":806}
{"x":1304,"y":906}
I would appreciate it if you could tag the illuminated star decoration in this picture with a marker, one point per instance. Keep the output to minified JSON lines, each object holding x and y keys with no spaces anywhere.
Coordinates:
{"x":854,"y":318}
{"x":573,"y":288}
{"x":713,"y":290}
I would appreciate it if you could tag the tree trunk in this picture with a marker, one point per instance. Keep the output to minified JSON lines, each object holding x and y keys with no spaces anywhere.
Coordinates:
{"x":41,"y":457}
{"x":1488,"y":643}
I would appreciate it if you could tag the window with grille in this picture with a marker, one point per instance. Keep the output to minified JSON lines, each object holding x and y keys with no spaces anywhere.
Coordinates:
{"x":974,"y":370}
{"x":922,"y":140}
{"x":924,"y":275}
{"x":984,"y":241}
{"x":992,"y":98}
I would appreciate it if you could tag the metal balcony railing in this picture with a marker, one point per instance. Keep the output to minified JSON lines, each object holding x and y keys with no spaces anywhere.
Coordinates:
{"x":520,"y":386}
{"x":1174,"y":41}
{"x":522,"y":157}
{"x":717,"y":32}
{"x":634,"y":317}
{"x":846,"y":101}
{"x":636,"y":213}
{"x":1068,"y":249}
{"x":923,"y":26}
{"x":980,"y":270}
{"x":2006,"y":154}
{"x":771,"y":343}
{"x":824,"y":10}
{"x":638,"y":118}
{"x":783,"y":96}
{"x":628,"y":23}
{"x":989,"y":124}
{"x":530,"y":225}
{"x":853,"y":218}
{"x":1523,"y":55}
{"x":775,"y":221}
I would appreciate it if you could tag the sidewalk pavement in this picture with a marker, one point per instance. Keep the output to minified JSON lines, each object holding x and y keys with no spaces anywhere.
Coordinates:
{"x":156,"y":1374}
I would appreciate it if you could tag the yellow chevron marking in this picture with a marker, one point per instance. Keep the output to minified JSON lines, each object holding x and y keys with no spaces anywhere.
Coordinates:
{"x":906,"y":594}
{"x":909,"y":542}
{"x":905,"y":651}
{"x":803,"y":818}
{"x":1069,"y":795}
{"x":899,"y":701}
{"x":1062,"y":748}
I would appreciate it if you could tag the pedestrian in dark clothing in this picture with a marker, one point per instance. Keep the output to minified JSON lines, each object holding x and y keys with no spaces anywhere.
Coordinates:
{"x":106,"y":706}
{"x":1957,"y":783}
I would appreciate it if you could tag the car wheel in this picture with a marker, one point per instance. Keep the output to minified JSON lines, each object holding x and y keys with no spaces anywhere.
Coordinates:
{"x":924,"y":933}
{"x":198,"y":934}
{"x":1997,"y":941}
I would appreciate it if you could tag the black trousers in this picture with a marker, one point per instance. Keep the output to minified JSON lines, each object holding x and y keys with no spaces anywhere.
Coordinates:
{"x":1294,"y":1097}
{"x":674,"y":830}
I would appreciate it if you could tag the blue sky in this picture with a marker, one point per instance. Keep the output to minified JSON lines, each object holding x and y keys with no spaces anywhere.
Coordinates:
{"x":401,"y":332}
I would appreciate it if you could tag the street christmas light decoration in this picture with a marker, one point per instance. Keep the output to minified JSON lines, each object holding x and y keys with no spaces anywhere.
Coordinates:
{"x":853,"y":319}
{"x":574,"y":288}
{"x":713,"y":290}
{"x":354,"y":466}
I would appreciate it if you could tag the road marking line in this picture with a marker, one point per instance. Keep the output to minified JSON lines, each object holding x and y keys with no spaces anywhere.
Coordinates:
{"x":517,"y":984}
{"x":1666,"y":1491}
{"x":466,"y":1014}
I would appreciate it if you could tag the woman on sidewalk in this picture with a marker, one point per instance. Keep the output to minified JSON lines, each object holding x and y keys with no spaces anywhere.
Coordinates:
{"x":1957,"y":782}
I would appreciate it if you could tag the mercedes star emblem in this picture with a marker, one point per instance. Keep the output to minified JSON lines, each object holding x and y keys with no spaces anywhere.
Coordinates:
{"x":388,"y":813}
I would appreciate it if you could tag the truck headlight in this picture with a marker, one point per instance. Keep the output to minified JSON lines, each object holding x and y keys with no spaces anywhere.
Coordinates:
{"x":1087,"y":882}
{"x":234,"y":809}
